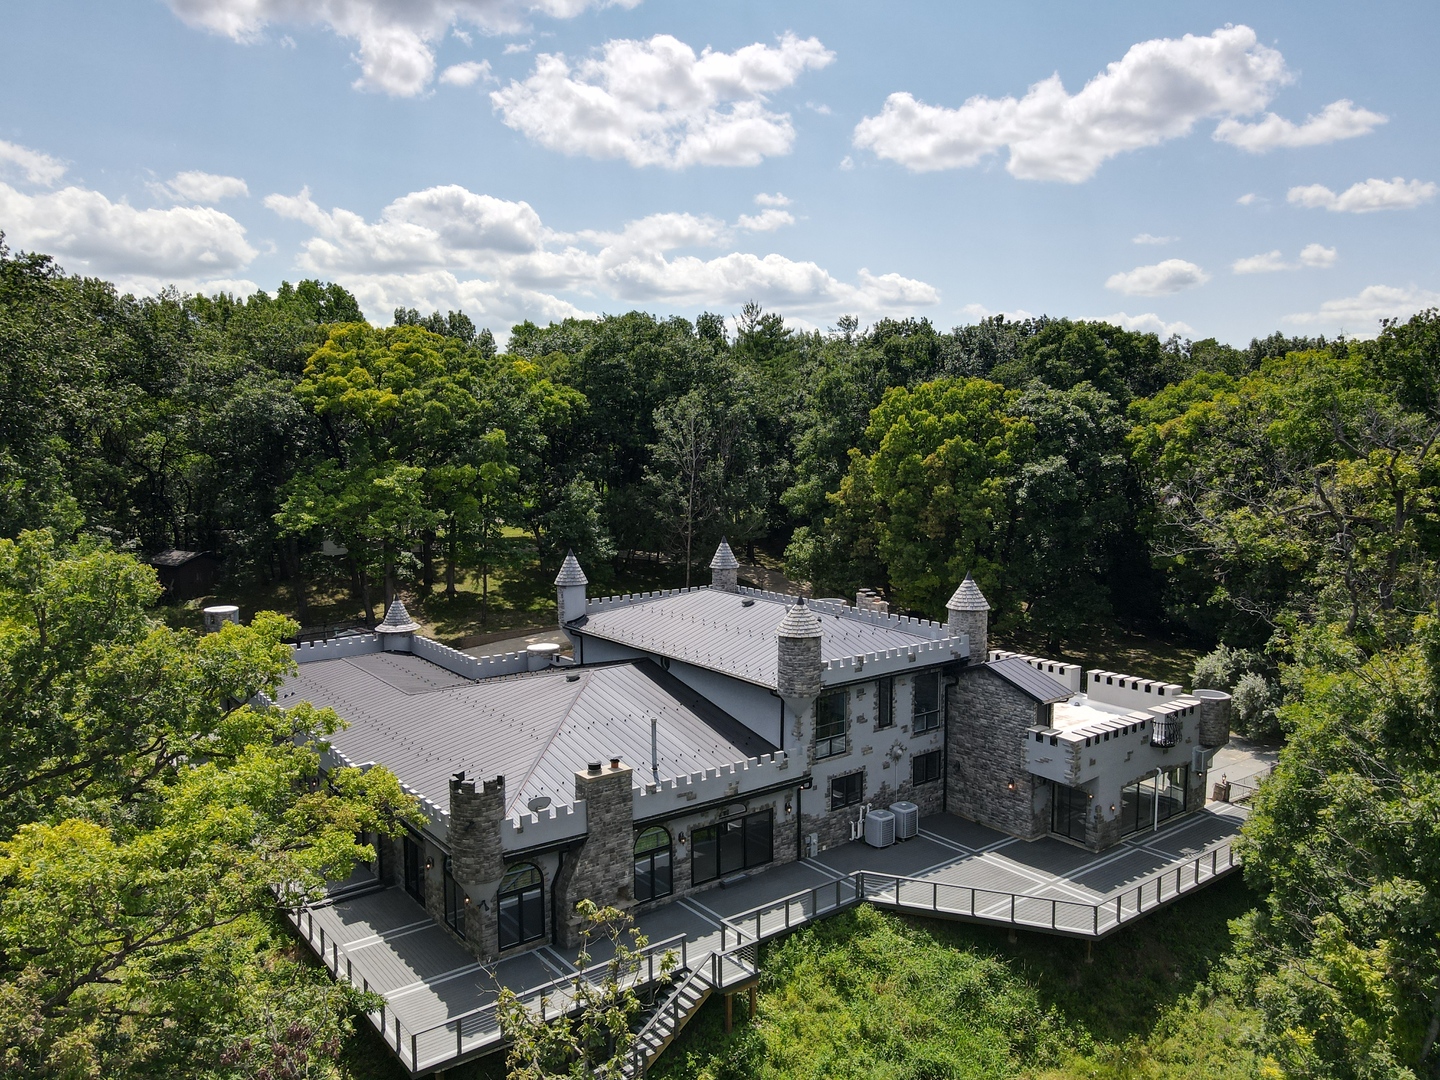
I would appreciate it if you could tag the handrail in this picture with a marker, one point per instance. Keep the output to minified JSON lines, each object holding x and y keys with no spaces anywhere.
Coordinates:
{"x":637,"y":1051}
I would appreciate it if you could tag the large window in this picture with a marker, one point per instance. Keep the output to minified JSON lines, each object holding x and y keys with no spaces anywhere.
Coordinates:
{"x":653,"y":878}
{"x":885,"y":703}
{"x":847,"y":790}
{"x":925,"y":705}
{"x":925,"y":768}
{"x":1068,"y":809}
{"x":454,"y":900}
{"x":522,"y":905}
{"x":727,"y":847}
{"x":1153,"y":799}
{"x":414,"y":868}
{"x":831,"y":722}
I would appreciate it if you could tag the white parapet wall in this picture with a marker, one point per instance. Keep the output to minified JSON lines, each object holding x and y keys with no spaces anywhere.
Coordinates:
{"x":1127,"y":691}
{"x":1069,"y":675}
{"x":470,"y":667}
{"x":339,"y":648}
{"x":873,"y":665}
{"x":710,"y":785}
{"x":525,"y":830}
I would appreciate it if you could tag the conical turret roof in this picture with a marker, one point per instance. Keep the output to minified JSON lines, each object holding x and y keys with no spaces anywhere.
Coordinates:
{"x":570,"y":572}
{"x":968,"y":597}
{"x":397,"y":620}
{"x":724,"y":558}
{"x":799,"y":621}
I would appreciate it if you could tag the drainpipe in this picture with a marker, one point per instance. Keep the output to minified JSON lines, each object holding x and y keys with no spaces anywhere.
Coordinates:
{"x":777,"y":697}
{"x":555,"y":900}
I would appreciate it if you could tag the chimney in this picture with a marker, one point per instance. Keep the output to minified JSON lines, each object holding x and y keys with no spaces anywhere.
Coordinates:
{"x":216,"y":617}
{"x":797,"y":673}
{"x":397,"y":631}
{"x":725,"y":569}
{"x":970,"y":616}
{"x":570,"y":590}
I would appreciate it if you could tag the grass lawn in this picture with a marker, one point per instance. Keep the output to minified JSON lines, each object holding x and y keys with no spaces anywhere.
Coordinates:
{"x":1112,"y":648}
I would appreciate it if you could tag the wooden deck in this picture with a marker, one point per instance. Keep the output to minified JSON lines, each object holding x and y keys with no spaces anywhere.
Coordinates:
{"x":439,"y":1001}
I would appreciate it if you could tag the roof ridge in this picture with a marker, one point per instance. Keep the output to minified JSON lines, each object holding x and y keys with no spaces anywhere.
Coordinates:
{"x":580,"y":685}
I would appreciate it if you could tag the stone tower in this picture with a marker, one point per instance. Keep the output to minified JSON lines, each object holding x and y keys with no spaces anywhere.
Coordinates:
{"x":970,"y":615}
{"x":725,"y":568}
{"x":797,"y":671}
{"x":570,"y":590}
{"x":397,"y":632}
{"x":1214,"y":726}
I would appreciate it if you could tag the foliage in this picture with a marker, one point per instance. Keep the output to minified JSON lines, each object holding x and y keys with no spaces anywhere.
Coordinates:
{"x":593,"y":1039}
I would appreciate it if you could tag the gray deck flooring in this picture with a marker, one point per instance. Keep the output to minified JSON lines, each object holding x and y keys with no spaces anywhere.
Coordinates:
{"x":386,"y":942}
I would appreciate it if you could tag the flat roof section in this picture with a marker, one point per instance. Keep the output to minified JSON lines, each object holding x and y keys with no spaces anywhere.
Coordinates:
{"x":734,"y":633}
{"x":425,"y":723}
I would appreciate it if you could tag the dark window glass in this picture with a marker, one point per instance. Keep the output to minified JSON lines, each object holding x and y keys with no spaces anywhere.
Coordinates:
{"x":1151,"y":799}
{"x":1068,"y":809}
{"x":653,"y":876}
{"x":727,"y":847}
{"x":925,"y":707}
{"x":847,"y":790}
{"x":885,"y":703}
{"x":454,"y":900}
{"x":925,"y":768}
{"x":414,"y":868}
{"x":831,"y":721}
{"x":521,"y":902}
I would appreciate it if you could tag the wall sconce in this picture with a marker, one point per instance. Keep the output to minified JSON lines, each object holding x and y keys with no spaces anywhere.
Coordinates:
{"x":682,"y":839}
{"x":467,"y":900}
{"x":789,"y":807}
{"x":1011,"y":785}
{"x":430,"y":863}
{"x":1112,"y":808}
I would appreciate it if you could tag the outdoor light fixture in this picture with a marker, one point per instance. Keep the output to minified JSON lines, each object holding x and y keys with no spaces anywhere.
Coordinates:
{"x":789,"y":809}
{"x":1011,"y":785}
{"x":430,"y":863}
{"x":1112,"y":808}
{"x":682,"y":839}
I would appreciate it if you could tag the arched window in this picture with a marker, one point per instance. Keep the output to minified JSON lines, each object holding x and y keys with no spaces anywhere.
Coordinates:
{"x":653,"y":878}
{"x":522,"y":905}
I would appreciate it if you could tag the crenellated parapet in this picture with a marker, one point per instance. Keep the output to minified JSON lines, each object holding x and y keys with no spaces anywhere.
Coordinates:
{"x":1068,"y":675}
{"x":605,"y":603}
{"x":309,"y":652}
{"x":1127,"y":691}
{"x":710,"y":785}
{"x":872,"y":665}
{"x":525,"y":830}
{"x":467,"y":666}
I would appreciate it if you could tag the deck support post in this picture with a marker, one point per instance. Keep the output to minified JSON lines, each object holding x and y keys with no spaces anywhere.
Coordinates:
{"x":752,"y":1003}
{"x":1089,"y":951}
{"x":729,"y":1012}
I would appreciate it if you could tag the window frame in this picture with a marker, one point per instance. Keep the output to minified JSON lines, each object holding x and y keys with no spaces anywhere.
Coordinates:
{"x":742,"y":829}
{"x":885,"y":702}
{"x":930,"y":719}
{"x":528,"y":901}
{"x":937,"y":756}
{"x":837,"y":742}
{"x":848,"y":798}
{"x":412,"y":860}
{"x":651,"y":860}
{"x":454,"y":898}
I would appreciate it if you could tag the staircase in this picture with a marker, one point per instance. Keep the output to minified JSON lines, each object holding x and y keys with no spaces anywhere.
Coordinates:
{"x":668,"y":1020}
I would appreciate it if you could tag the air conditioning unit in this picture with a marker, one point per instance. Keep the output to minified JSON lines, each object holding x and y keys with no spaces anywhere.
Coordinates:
{"x":907,"y":819}
{"x":879,"y":828}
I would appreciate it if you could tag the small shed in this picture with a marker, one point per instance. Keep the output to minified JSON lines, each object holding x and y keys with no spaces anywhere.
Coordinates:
{"x":185,"y":575}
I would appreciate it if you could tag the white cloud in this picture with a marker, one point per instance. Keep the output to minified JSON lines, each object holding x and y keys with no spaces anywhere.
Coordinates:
{"x":1260,"y":264}
{"x":515,"y":48}
{"x":1161,"y":279}
{"x":466,"y":74}
{"x":1318,"y":255}
{"x":1158,"y":91}
{"x":397,"y":38}
{"x":203,"y":187}
{"x":656,"y":102}
{"x":1341,"y":119}
{"x":1365,"y":197}
{"x":776,"y":199}
{"x":36,"y":167}
{"x":1146,"y":238}
{"x":139,"y":249}
{"x":976,"y":312}
{"x":1149,"y":323}
{"x":1250,"y":199}
{"x":451,"y":246}
{"x":1359,"y":315}
{"x":765,"y":221}
{"x":847,"y":163}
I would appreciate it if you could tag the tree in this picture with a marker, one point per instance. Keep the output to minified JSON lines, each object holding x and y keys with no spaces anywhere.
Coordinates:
{"x":152,"y":822}
{"x":593,"y":1037}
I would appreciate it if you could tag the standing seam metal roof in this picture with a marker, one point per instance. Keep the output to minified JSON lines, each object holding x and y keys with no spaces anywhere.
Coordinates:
{"x":1025,"y":678}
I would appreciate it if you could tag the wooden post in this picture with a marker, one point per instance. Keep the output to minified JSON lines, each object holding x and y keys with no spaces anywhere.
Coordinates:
{"x":752,"y":1002}
{"x":1089,"y":951}
{"x":729,"y":1012}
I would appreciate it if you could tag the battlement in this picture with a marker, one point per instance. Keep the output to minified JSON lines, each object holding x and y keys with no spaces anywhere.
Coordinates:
{"x":309,"y":652}
{"x":709,"y":785}
{"x":467,"y":666}
{"x":1127,"y":691}
{"x":604,"y":603}
{"x":524,"y":830}
{"x":1070,"y":675}
{"x":849,"y":668}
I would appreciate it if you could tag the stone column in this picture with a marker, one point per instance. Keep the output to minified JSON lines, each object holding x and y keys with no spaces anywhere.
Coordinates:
{"x":603,"y":869}
{"x":476,"y":860}
{"x":969,"y":614}
{"x":797,"y":670}
{"x":725,"y":569}
{"x":1213,"y":728}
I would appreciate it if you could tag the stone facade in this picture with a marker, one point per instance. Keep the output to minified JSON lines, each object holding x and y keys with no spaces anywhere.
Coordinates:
{"x":986,"y":776}
{"x":476,"y":860}
{"x":1214,"y":726}
{"x":603,"y":869}
{"x":725,"y":568}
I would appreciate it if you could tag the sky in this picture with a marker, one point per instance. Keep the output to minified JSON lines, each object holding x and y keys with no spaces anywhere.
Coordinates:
{"x":1201,"y":169}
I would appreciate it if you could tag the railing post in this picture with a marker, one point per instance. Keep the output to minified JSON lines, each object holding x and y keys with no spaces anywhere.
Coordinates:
{"x":972,"y":901}
{"x":459,"y":1046}
{"x":1118,"y":911}
{"x":934,"y":896}
{"x":1012,"y":907}
{"x":1052,"y":913}
{"x":414,"y":1053}
{"x":1095,"y":908}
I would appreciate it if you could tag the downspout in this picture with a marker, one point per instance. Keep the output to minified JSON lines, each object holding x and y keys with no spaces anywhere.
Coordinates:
{"x":555,"y":900}
{"x":776,"y":695}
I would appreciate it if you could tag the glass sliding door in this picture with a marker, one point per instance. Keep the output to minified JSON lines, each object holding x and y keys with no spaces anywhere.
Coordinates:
{"x":1154,"y":799}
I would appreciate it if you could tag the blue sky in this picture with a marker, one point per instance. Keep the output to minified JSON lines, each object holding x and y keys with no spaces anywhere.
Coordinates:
{"x":1211,"y":169}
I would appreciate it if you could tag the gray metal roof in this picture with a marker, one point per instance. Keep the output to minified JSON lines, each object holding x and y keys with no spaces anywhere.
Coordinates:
{"x":737,"y":633}
{"x":425,"y":723}
{"x":1037,"y":684}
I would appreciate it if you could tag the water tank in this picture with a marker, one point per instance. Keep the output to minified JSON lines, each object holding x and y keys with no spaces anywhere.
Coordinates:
{"x":907,"y":819}
{"x":879,"y":828}
{"x":1214,"y":717}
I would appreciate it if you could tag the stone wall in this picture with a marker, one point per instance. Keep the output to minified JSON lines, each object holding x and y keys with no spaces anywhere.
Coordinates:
{"x":985,"y":770}
{"x":477,"y":862}
{"x":603,"y":869}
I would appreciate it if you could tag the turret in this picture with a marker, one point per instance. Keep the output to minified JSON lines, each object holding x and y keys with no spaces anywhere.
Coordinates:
{"x":1213,"y":728}
{"x":797,"y":673}
{"x":725,"y":569}
{"x":397,"y":632}
{"x":970,"y":616}
{"x":570,"y":590}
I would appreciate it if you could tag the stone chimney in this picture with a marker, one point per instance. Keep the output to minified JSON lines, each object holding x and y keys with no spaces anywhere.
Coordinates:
{"x":216,"y":617}
{"x":1213,"y":727}
{"x":725,"y":569}
{"x":797,"y":673}
{"x":970,"y":615}
{"x":397,"y":632}
{"x":570,"y":590}
{"x":603,"y":869}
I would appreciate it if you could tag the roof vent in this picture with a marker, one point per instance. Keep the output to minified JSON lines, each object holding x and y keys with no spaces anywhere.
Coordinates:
{"x":572,"y":677}
{"x":614,"y":762}
{"x":749,"y":601}
{"x":593,"y":768}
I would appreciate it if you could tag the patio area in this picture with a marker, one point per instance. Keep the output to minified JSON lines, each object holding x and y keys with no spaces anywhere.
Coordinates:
{"x":439,"y":1002}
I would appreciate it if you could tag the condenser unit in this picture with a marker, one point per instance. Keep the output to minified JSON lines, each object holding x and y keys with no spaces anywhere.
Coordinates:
{"x":879,"y":828}
{"x":907,"y":819}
